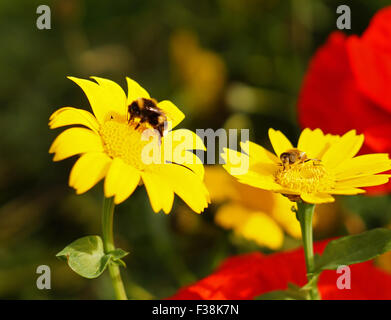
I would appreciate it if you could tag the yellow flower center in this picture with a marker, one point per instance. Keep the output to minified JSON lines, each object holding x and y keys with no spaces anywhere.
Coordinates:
{"x":122,"y":140}
{"x":308,"y":177}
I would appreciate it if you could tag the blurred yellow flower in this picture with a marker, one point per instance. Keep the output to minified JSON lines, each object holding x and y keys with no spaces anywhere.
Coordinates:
{"x":251,"y":224}
{"x":320,"y":166}
{"x":384,"y":261}
{"x":111,"y":147}
{"x":202,"y":71}
{"x":253,"y":213}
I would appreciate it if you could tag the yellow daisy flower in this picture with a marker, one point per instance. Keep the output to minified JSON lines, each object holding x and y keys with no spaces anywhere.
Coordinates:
{"x":320,"y":166}
{"x":111,"y":145}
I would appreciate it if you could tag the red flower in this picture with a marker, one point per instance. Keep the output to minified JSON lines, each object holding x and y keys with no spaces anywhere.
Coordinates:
{"x":348,"y":86}
{"x":249,"y":275}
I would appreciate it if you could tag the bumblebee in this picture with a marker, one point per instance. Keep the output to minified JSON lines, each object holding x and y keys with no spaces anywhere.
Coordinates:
{"x":147,"y":111}
{"x":294,"y":156}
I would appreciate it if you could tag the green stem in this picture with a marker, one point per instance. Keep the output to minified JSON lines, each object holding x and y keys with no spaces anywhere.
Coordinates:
{"x":304,"y":215}
{"x":108,"y":243}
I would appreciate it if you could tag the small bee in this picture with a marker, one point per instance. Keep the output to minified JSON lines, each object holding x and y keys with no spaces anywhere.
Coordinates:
{"x":147,"y":111}
{"x":294,"y":156}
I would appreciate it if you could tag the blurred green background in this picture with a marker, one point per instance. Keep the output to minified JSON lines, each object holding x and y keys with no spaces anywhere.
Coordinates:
{"x":225,"y":63}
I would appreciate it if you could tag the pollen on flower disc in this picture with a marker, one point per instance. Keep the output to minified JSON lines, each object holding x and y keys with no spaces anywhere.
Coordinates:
{"x":305,"y":177}
{"x":121,"y":140}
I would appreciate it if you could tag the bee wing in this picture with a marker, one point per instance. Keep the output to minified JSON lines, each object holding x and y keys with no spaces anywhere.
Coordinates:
{"x":152,"y":109}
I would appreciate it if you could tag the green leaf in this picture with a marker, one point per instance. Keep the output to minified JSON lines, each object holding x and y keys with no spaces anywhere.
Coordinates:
{"x":292,"y":293}
{"x":354,"y":249}
{"x":87,"y":258}
{"x":117,"y":254}
{"x":119,"y":262}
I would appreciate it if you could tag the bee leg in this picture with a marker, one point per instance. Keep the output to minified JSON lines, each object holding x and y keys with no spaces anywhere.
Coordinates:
{"x":129,"y":117}
{"x":315,"y":162}
{"x":160,"y":128}
{"x":138,"y":124}
{"x":142,"y":120}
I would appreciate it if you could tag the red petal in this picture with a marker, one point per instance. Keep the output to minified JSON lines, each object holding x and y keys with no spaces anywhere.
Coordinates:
{"x":348,"y":86}
{"x":247,"y":276}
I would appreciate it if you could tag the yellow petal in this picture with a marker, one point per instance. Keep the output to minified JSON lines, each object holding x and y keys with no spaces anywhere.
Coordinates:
{"x":173,"y":113}
{"x":169,"y":200}
{"x":88,"y":170}
{"x":282,"y":213}
{"x":187,"y":138}
{"x":365,"y":181}
{"x":236,"y":163}
{"x":250,"y":172}
{"x":263,"y":230}
{"x":327,"y":141}
{"x":279,"y":142}
{"x":308,"y":139}
{"x":313,"y":143}
{"x":176,"y":143}
{"x":160,"y":193}
{"x":252,"y":225}
{"x":239,"y":165}
{"x":151,"y":183}
{"x":69,"y":116}
{"x":100,"y":103}
{"x":121,"y":180}
{"x":265,"y":169}
{"x":187,"y":185}
{"x":258,"y":153}
{"x":258,"y":181}
{"x":114,"y":96}
{"x":344,"y":149}
{"x":215,"y":177}
{"x":178,"y":147}
{"x":75,"y":141}
{"x":231,"y":215}
{"x":317,"y":198}
{"x":194,"y":164}
{"x":135,"y":91}
{"x":346,"y":191}
{"x":363,"y":165}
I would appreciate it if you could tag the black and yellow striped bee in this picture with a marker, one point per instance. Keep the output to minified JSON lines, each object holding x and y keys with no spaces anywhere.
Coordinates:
{"x":146,"y":110}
